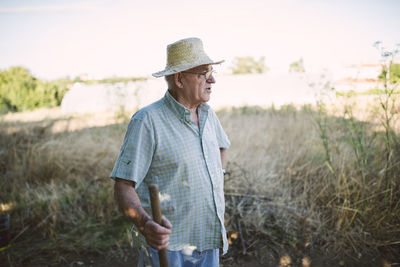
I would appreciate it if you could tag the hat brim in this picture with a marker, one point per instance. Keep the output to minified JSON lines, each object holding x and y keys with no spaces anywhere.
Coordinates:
{"x":169,"y":71}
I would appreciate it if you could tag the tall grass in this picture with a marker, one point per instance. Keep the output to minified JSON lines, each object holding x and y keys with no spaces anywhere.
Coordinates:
{"x":301,"y":181}
{"x":59,"y":191}
{"x":310,"y":180}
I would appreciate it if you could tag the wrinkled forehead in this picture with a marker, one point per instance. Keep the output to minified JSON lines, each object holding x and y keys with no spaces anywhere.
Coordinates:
{"x":201,"y":68}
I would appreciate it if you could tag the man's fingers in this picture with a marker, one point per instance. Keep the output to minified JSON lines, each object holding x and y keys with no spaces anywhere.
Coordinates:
{"x":157,"y":239}
{"x":166,"y":223}
{"x":156,"y":235}
{"x":156,"y":228}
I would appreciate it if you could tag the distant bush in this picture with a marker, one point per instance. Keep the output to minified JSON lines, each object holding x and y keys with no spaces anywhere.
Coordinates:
{"x":20,"y":90}
{"x":374,"y":91}
{"x":297,"y":66}
{"x":113,"y":80}
{"x":247,"y":65}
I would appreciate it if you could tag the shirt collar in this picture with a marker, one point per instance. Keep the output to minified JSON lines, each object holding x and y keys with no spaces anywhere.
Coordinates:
{"x":180,"y":110}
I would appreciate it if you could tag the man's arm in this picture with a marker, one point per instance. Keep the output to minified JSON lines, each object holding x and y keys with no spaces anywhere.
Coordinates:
{"x":157,"y":236}
{"x":224,"y":157}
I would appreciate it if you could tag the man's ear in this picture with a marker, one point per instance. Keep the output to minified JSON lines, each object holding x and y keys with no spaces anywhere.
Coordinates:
{"x":178,"y":80}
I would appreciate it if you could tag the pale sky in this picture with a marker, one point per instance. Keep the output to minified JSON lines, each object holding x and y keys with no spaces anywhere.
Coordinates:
{"x":56,"y":38}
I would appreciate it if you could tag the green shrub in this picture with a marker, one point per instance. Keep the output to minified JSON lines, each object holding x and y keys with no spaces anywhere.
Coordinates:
{"x":20,"y":90}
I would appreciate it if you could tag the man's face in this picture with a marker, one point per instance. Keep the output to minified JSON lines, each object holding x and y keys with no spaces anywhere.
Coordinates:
{"x":196,"y":87}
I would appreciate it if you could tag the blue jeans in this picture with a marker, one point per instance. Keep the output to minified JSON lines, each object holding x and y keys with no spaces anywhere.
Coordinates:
{"x":183,"y":258}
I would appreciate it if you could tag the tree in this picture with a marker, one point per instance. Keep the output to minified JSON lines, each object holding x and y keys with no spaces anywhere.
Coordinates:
{"x":246,"y":65}
{"x":297,"y":66}
{"x":17,"y":87}
{"x":20,"y":90}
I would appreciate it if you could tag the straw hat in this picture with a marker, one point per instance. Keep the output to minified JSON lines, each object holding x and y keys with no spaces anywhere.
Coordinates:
{"x":183,"y":55}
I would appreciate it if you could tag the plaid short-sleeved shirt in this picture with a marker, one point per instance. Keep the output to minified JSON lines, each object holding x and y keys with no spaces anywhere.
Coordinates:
{"x":163,"y":146}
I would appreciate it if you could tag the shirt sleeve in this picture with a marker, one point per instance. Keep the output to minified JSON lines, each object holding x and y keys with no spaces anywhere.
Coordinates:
{"x":222,"y":138}
{"x":136,"y":153}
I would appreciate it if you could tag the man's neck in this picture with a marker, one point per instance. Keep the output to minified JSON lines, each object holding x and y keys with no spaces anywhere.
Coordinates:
{"x":192,"y":108}
{"x":183,"y":101}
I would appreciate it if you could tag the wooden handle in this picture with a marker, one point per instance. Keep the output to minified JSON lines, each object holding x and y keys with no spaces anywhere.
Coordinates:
{"x":157,"y":217}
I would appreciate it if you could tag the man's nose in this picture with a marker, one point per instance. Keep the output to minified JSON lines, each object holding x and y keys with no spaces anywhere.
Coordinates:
{"x":211,"y":79}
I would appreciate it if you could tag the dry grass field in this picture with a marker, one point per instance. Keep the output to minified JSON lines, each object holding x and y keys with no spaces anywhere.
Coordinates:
{"x":307,"y":186}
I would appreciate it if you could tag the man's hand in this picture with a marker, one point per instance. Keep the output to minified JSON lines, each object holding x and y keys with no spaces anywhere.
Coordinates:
{"x":157,"y":236}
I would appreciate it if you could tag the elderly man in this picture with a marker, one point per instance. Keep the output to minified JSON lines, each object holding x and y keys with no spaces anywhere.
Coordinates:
{"x":179,"y":144}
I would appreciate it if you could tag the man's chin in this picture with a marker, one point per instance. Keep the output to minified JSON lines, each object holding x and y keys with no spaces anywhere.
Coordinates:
{"x":206,"y":99}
